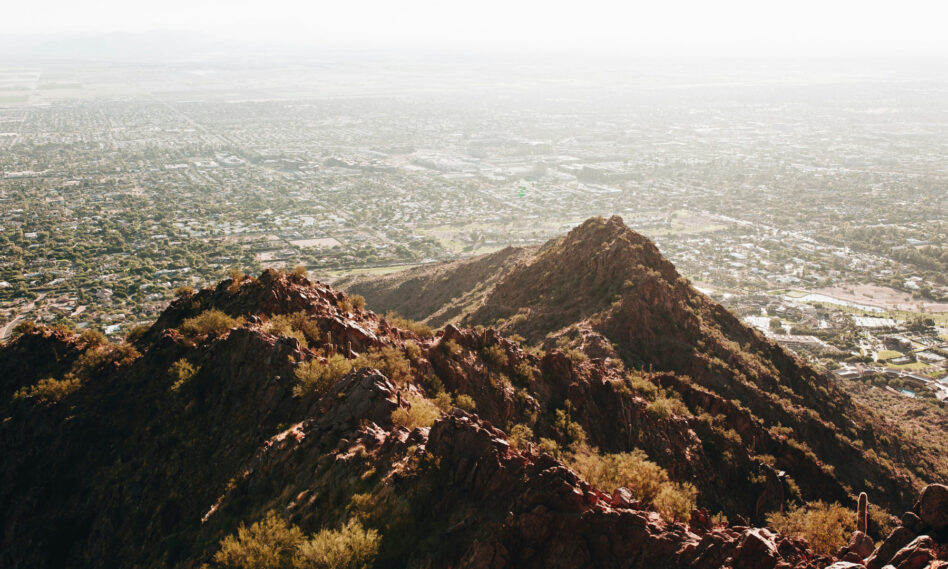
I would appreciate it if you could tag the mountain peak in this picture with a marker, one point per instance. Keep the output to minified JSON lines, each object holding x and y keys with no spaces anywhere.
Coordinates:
{"x":576,"y":276}
{"x":277,"y":398}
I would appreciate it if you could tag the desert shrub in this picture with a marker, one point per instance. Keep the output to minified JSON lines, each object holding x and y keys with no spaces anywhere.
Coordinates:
{"x":444,"y":401}
{"x":494,"y":356}
{"x":646,"y":480}
{"x":570,"y":429}
{"x":271,"y":543}
{"x":465,"y":402}
{"x":524,"y":372}
{"x":412,"y":350}
{"x":181,"y":372}
{"x":550,"y":447}
{"x":881,"y":521}
{"x":295,"y":325}
{"x":300,"y":271}
{"x":632,"y":470}
{"x":95,"y":357}
{"x":451,"y":347}
{"x":93,"y":338}
{"x":64,"y":327}
{"x":350,"y":547}
{"x":644,"y":387}
{"x":389,"y":360}
{"x":825,"y":526}
{"x":298,"y":336}
{"x":24,"y":327}
{"x":676,"y":501}
{"x":210,"y":323}
{"x":521,"y":436}
{"x":576,"y":355}
{"x":49,"y":390}
{"x":501,"y":381}
{"x":183,"y":291}
{"x":123,"y":353}
{"x":664,"y":407}
{"x":237,"y":278}
{"x":136,"y":333}
{"x":419,"y":329}
{"x":267,"y":544}
{"x":351,"y":303}
{"x":421,"y":413}
{"x":432,"y":384}
{"x":317,"y":377}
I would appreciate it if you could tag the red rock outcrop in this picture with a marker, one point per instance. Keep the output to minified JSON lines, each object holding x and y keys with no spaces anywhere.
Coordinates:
{"x":142,"y":466}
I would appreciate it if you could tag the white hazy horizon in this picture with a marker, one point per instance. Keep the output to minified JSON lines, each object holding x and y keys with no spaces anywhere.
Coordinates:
{"x":804,"y":28}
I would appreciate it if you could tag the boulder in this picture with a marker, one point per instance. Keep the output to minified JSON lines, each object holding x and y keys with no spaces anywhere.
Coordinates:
{"x":861,"y":544}
{"x":757,"y":550}
{"x":913,"y":522}
{"x":899,"y":538}
{"x":915,"y":555}
{"x":932,"y":507}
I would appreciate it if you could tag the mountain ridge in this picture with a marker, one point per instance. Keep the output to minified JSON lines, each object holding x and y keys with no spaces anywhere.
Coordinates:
{"x":461,"y":447}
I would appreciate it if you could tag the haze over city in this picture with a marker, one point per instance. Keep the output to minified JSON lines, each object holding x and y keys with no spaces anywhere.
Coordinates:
{"x":691,"y":28}
{"x":488,"y":285}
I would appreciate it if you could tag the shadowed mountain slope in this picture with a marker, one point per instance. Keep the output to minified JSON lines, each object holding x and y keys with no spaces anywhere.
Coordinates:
{"x":461,"y":447}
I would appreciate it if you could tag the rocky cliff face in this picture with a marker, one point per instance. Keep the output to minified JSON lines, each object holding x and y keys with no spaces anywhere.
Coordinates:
{"x":607,"y":291}
{"x":129,"y":457}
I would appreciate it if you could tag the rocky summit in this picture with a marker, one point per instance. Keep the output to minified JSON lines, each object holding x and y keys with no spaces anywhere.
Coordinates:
{"x":582,"y":406}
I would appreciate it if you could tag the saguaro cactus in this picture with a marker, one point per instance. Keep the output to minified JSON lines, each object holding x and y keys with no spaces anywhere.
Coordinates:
{"x":861,"y":512}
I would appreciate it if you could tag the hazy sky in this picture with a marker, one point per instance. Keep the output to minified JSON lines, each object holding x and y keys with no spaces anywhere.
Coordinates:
{"x":748,"y":27}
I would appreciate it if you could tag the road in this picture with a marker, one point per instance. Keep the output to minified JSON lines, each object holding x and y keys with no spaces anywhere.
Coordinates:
{"x":8,"y":329}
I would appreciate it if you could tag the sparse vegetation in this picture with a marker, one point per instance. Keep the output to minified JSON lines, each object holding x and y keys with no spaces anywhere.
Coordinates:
{"x":646,"y":480}
{"x":465,"y":402}
{"x":351,"y":303}
{"x":93,"y":338}
{"x":569,"y":429}
{"x":451,"y":347}
{"x":49,"y":390}
{"x":297,"y":325}
{"x":300,"y":271}
{"x":181,"y":372}
{"x":237,"y":278}
{"x":272,"y":543}
{"x":350,"y":547}
{"x":96,"y":356}
{"x":494,"y":356}
{"x":315,"y":376}
{"x":419,"y":329}
{"x":389,"y":360}
{"x":825,"y":526}
{"x":524,"y":373}
{"x":521,"y":436}
{"x":577,"y":356}
{"x":412,"y":350}
{"x":211,"y":323}
{"x":664,"y":407}
{"x":420,"y":413}
{"x":444,"y":401}
{"x":183,"y":291}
